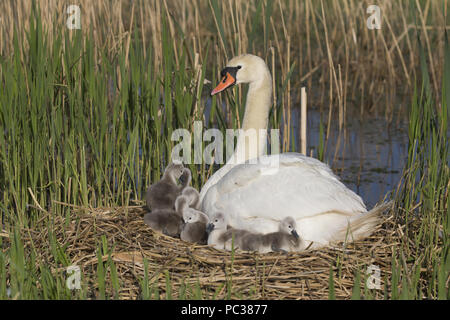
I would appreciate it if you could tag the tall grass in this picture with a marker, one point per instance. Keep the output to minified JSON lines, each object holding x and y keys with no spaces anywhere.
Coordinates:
{"x":423,"y":195}
{"x":292,"y":30}
{"x":420,"y":266}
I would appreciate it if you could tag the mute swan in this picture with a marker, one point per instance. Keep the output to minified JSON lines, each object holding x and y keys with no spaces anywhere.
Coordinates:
{"x":256,"y":198}
{"x":216,"y":229}
{"x":191,"y":193}
{"x":286,"y":239}
{"x":162,"y":195}
{"x":193,"y":197}
{"x":167,"y":221}
{"x":194,"y":229}
{"x":220,"y":235}
{"x":186,"y":178}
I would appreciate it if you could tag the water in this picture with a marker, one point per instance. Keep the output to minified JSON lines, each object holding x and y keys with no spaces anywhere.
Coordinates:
{"x":369,"y":155}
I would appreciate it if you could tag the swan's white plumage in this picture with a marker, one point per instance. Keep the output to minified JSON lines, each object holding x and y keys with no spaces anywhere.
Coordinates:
{"x":256,"y":196}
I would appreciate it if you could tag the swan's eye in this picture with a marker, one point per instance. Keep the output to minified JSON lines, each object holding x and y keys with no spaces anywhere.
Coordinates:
{"x":239,"y":67}
{"x":216,"y":220}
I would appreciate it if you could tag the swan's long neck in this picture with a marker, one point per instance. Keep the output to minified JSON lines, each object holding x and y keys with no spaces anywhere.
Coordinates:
{"x":256,"y":117}
{"x":251,"y":142}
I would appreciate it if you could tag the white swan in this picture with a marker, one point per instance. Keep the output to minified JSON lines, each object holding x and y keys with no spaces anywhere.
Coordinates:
{"x":257,"y":199}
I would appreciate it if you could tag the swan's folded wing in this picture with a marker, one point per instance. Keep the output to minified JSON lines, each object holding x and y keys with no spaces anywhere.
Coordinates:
{"x":300,"y":187}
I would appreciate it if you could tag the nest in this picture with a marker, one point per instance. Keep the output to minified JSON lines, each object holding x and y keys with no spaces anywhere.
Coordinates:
{"x":187,"y":270}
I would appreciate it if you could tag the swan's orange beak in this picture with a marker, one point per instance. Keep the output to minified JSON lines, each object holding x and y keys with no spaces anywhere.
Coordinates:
{"x":227,"y":81}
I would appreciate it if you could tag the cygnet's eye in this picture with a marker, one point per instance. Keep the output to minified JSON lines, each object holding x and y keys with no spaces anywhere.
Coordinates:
{"x":216,"y":220}
{"x":289,"y":226}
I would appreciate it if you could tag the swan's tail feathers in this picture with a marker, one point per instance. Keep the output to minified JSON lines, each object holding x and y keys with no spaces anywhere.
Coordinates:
{"x":364,"y":224}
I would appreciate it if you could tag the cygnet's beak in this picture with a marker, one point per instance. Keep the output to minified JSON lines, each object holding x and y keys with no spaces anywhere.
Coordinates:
{"x":209,"y":227}
{"x":295,"y":234}
{"x":183,"y":176}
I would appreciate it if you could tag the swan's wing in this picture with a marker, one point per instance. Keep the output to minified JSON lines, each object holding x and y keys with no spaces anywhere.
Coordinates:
{"x":299,"y":187}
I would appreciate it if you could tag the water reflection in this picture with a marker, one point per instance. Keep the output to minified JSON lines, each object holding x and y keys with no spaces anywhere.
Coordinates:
{"x":368,"y":156}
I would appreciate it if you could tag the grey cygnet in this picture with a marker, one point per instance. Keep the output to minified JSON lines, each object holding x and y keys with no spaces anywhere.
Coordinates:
{"x":193,"y":195}
{"x":195,"y":221}
{"x":286,"y":239}
{"x":162,"y":195}
{"x":167,"y":221}
{"x":216,"y":229}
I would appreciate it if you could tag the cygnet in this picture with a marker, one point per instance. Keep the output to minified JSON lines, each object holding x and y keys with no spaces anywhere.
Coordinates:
{"x":195,"y":221}
{"x":162,"y":195}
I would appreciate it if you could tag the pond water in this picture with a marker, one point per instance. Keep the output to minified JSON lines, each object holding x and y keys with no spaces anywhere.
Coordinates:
{"x":368,"y":155}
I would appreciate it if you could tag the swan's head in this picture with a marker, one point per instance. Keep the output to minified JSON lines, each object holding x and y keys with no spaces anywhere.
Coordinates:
{"x":288,"y":226}
{"x":246,"y":68}
{"x":217,"y":222}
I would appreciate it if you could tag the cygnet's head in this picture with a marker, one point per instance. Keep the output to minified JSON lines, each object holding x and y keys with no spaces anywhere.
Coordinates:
{"x":191,"y":216}
{"x":245,"y":68}
{"x":181,"y":203}
{"x":175,"y":170}
{"x":191,"y":194}
{"x":217,"y":222}
{"x":288,"y":226}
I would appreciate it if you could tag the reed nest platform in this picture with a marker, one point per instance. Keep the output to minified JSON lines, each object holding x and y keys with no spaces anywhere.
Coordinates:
{"x":176,"y":267}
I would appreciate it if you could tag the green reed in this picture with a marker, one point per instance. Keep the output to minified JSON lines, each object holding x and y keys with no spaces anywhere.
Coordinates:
{"x":422,"y":196}
{"x":420,"y":266}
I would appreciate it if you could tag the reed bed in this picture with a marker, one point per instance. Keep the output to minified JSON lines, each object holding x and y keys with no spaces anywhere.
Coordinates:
{"x":129,"y":252}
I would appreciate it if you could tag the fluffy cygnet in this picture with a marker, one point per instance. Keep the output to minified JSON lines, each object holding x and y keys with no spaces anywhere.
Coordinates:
{"x":185,"y":178}
{"x":286,"y":239}
{"x":220,"y":235}
{"x":232,"y":238}
{"x":162,"y":195}
{"x":193,"y":195}
{"x":195,"y":221}
{"x":166,"y":221}
{"x":216,"y":229}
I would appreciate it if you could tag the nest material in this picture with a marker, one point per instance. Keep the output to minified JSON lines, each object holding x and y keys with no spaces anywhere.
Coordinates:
{"x":218,"y":274}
